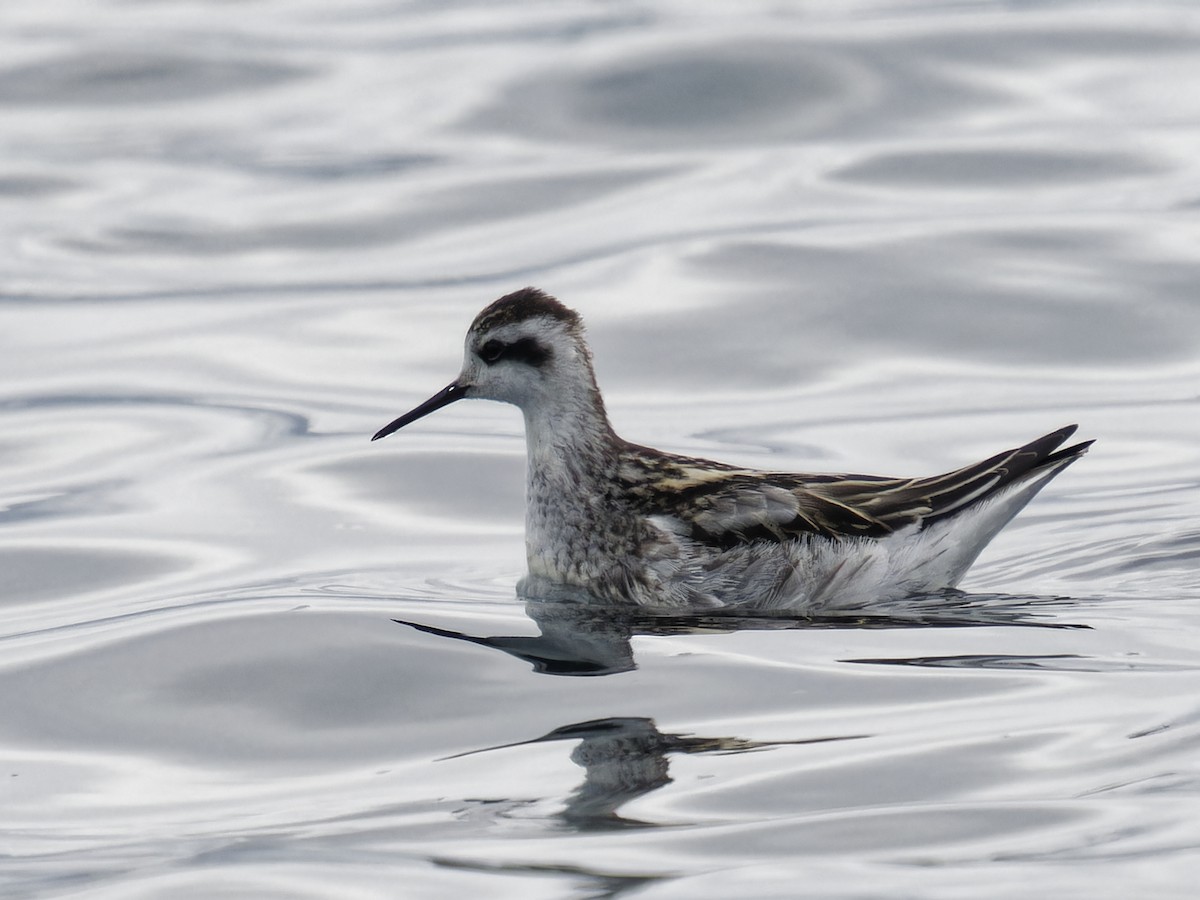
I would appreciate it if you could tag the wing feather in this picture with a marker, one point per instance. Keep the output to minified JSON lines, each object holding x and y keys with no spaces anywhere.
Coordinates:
{"x":724,"y":506}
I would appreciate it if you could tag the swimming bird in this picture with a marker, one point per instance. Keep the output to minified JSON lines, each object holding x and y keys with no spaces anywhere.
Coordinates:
{"x":622,"y":523}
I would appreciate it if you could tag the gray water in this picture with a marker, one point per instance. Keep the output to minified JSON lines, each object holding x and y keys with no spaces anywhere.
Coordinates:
{"x":871,"y":236}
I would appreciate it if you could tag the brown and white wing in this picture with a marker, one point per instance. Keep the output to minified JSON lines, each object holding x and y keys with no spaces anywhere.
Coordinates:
{"x":901,"y":502}
{"x":724,"y":506}
{"x":727,"y":508}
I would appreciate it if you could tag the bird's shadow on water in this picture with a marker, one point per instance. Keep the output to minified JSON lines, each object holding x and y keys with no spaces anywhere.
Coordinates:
{"x":580,"y":637}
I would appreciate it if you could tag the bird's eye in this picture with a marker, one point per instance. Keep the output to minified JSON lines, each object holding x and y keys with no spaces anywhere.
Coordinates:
{"x":491,"y":351}
{"x":523,"y":350}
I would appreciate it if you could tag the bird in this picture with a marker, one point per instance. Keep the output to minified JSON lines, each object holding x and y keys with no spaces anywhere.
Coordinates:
{"x":622,"y":524}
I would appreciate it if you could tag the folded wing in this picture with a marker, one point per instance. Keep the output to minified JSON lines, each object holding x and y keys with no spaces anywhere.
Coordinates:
{"x":727,"y":506}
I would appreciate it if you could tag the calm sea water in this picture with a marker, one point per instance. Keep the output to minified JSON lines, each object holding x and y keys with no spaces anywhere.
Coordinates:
{"x":870,"y":236}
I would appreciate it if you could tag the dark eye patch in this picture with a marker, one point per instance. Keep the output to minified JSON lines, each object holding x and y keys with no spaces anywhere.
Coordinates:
{"x":491,"y":351}
{"x":525,"y":350}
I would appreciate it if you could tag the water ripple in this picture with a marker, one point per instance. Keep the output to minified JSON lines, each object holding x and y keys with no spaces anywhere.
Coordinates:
{"x":134,"y":76}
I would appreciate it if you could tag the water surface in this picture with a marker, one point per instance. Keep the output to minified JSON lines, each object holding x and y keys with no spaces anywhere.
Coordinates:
{"x":248,"y":653}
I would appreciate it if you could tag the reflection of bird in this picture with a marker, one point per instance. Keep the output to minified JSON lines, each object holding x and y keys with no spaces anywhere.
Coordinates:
{"x":574,"y":639}
{"x":625,"y":522}
{"x":582,"y":639}
{"x":625,"y":757}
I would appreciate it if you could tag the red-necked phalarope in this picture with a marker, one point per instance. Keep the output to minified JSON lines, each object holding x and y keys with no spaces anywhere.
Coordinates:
{"x":627,"y":523}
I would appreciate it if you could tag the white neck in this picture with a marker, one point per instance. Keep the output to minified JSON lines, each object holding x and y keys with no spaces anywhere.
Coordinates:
{"x":568,"y":436}
{"x":574,"y":458}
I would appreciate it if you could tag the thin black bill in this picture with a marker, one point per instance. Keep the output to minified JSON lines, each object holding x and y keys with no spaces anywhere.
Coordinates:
{"x":444,"y":397}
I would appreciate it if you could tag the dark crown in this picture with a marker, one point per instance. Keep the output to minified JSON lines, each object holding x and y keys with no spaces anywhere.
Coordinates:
{"x":527,"y":303}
